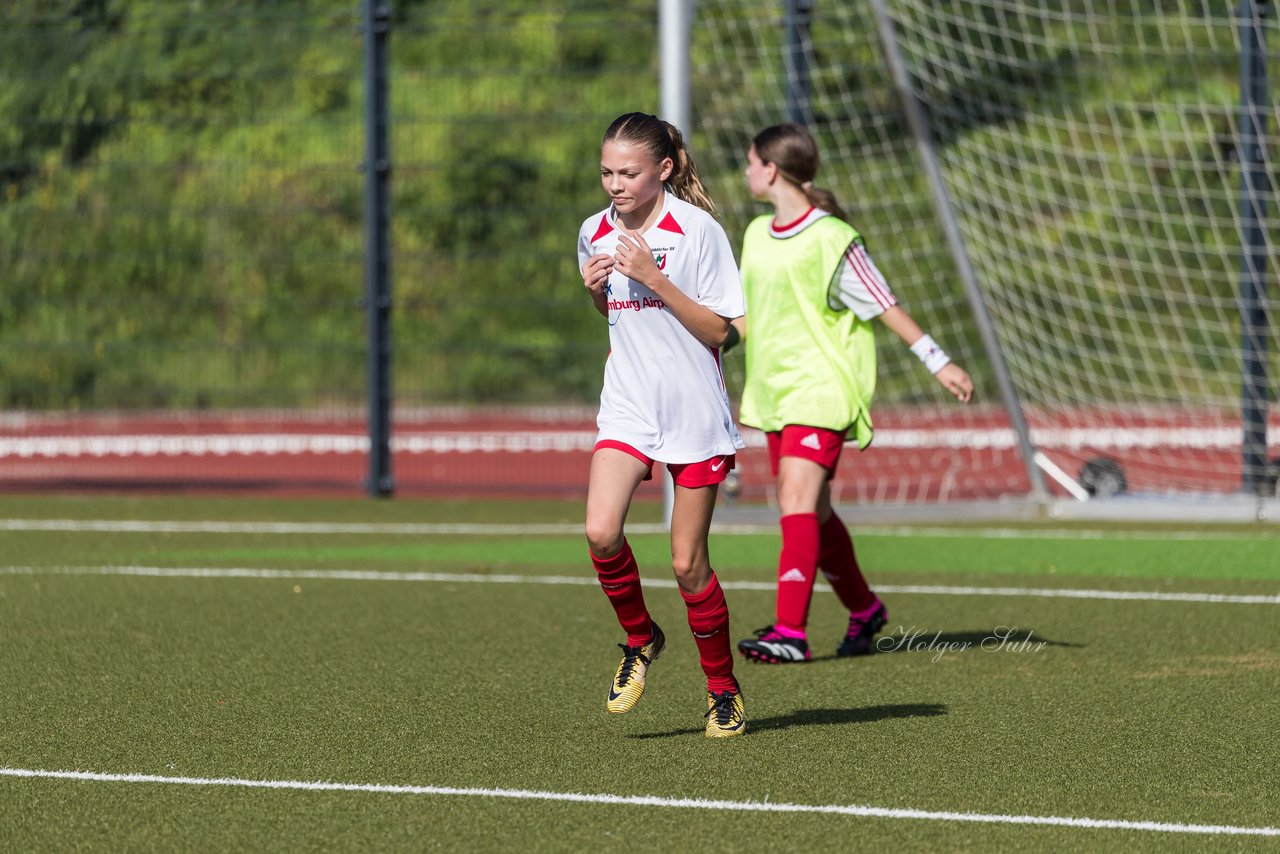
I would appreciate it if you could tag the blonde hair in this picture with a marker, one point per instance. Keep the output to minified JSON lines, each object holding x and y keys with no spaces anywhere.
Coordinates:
{"x":662,"y":140}
{"x":793,"y":150}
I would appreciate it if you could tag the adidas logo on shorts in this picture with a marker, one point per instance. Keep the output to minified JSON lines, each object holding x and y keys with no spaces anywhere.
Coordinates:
{"x":792,"y":574}
{"x":812,"y":441}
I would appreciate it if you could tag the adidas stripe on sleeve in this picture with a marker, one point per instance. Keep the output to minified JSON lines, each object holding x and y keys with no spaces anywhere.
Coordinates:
{"x":858,"y":285}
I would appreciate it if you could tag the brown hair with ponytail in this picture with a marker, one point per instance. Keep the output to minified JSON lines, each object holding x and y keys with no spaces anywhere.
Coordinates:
{"x":793,"y":150}
{"x":662,"y":140}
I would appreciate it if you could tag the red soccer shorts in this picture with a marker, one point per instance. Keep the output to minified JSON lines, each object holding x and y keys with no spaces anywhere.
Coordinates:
{"x":688,"y":475}
{"x":816,"y":444}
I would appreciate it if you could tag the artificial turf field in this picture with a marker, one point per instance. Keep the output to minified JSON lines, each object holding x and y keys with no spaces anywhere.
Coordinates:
{"x":255,"y":674}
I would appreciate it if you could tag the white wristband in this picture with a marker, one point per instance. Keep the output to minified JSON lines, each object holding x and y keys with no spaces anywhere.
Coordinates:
{"x":933,"y":356}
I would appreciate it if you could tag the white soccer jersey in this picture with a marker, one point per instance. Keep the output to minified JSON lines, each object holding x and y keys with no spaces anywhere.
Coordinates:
{"x":857,"y":284}
{"x":664,"y":392}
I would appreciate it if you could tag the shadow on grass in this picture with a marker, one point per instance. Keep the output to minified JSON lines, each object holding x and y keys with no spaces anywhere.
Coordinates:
{"x":821,"y":717}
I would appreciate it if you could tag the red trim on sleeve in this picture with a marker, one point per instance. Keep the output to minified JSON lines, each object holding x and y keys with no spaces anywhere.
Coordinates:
{"x":858,"y":263}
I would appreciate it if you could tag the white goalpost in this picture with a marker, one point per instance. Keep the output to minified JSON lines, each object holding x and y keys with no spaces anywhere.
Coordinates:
{"x":1105,"y":172}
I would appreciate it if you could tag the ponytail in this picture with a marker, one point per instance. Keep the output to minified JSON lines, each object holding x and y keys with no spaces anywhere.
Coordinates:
{"x":663,"y":140}
{"x":824,"y":200}
{"x":684,"y":182}
{"x":793,"y":150}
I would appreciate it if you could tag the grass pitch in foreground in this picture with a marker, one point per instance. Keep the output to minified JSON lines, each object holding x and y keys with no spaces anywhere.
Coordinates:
{"x":1133,"y":710}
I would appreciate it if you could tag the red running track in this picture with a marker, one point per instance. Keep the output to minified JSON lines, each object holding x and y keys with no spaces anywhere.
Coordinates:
{"x":924,"y":455}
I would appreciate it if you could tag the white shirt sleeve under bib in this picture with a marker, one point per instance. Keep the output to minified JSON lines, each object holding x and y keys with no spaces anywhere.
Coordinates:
{"x":858,"y":285}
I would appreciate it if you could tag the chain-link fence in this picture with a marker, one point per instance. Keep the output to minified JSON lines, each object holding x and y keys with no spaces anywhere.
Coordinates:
{"x":182,"y":237}
{"x":182,"y":234}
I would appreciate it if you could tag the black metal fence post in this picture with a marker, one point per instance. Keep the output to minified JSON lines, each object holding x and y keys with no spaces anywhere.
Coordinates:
{"x":377,"y":169}
{"x":1254,"y":188}
{"x":795,"y":54}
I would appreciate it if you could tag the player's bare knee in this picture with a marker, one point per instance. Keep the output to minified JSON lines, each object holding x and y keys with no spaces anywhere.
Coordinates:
{"x":604,"y":540}
{"x":692,"y":573}
{"x":795,"y":501}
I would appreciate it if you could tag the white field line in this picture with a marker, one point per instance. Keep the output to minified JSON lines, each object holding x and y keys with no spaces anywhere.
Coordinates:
{"x":131,"y":526}
{"x":146,"y":526}
{"x":542,"y":441}
{"x":656,"y":801}
{"x":588,"y":581}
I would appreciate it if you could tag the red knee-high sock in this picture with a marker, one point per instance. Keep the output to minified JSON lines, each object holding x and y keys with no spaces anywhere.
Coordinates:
{"x":840,"y":566}
{"x":797,"y":568}
{"x":709,"y":622}
{"x":620,"y":580}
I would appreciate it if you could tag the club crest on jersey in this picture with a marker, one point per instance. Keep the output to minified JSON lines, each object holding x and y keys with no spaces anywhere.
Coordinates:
{"x":661,"y":259}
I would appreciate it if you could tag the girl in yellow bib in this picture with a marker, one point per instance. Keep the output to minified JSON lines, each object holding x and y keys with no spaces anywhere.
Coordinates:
{"x":811,"y":292}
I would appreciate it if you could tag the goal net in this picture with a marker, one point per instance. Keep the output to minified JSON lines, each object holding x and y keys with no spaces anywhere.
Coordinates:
{"x":1092,"y":155}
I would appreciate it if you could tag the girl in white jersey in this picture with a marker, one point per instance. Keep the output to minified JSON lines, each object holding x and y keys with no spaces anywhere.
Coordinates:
{"x":660,"y":269}
{"x":812,"y":291}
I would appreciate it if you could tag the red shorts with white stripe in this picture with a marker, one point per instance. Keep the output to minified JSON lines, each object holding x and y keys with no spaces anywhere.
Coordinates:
{"x":815,"y":444}
{"x":688,"y":475}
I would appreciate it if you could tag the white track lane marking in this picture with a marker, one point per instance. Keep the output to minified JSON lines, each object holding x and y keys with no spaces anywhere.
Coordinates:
{"x":132,"y":526}
{"x":583,"y":580}
{"x":655,"y":801}
{"x":142,"y":526}
{"x":1095,"y":437}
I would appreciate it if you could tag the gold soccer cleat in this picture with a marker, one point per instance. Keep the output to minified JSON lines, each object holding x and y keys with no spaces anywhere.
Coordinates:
{"x":725,"y":715}
{"x":628,"y":681}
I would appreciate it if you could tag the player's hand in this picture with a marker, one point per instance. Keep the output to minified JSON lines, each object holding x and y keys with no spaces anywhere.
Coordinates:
{"x":955,"y":380}
{"x":595,"y":275}
{"x":634,"y":259}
